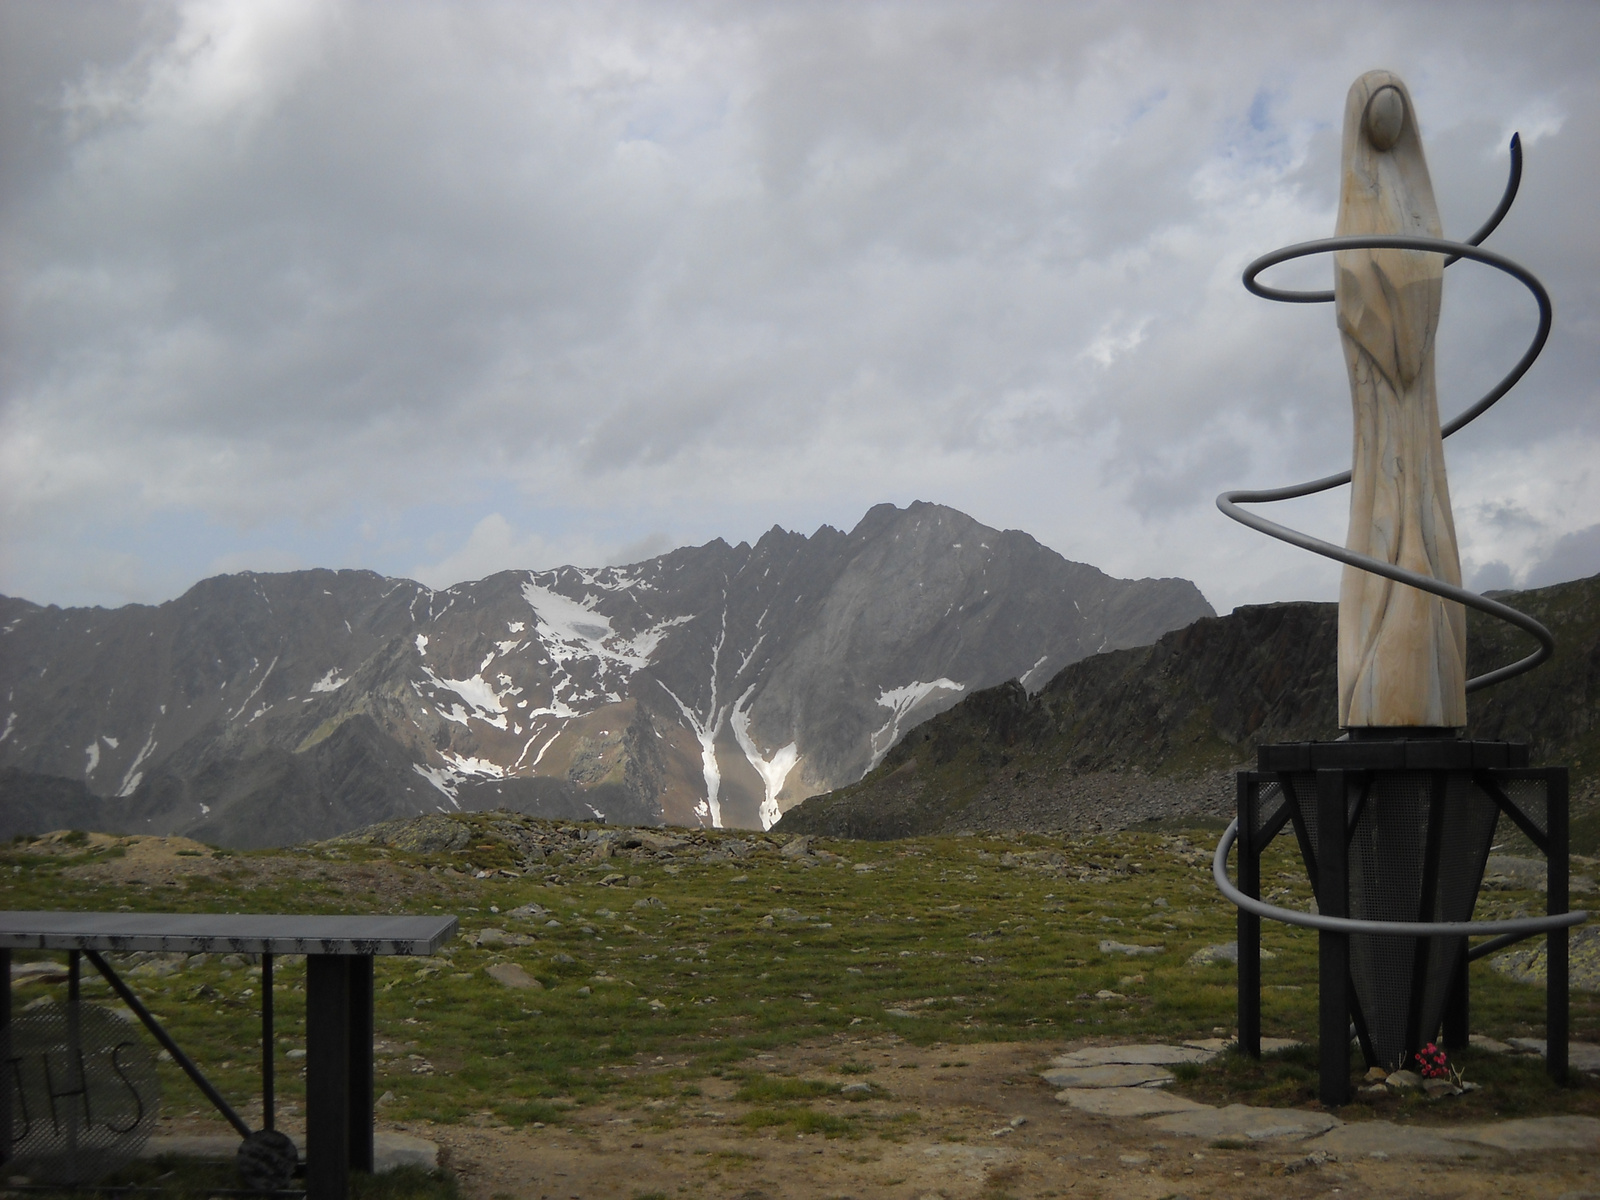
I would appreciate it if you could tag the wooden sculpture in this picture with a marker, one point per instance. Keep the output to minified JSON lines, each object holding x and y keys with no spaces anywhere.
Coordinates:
{"x":1402,"y":652}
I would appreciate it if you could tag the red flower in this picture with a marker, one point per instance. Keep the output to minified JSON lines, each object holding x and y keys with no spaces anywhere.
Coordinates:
{"x":1431,"y":1062}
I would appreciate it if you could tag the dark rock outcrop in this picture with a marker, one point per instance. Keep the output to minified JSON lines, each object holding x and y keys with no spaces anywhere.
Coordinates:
{"x":1153,"y":732}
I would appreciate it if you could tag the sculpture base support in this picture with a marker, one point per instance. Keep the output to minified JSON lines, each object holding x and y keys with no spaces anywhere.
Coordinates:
{"x":1411,"y":823}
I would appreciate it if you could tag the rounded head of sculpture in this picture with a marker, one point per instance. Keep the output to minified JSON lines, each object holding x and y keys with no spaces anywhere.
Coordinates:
{"x":1385,"y":117}
{"x":1380,"y":122}
{"x":1384,"y":167}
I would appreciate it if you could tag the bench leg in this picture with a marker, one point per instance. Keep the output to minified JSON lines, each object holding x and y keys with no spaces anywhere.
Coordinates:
{"x":360,"y":1103}
{"x":328,"y":1055}
{"x":7,"y":1082}
{"x":338,"y":1072}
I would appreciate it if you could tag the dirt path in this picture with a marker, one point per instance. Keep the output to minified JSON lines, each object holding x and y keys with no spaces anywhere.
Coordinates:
{"x":987,"y":1129}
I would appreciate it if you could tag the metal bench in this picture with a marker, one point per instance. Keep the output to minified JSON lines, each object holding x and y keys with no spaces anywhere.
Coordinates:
{"x":339,"y":951}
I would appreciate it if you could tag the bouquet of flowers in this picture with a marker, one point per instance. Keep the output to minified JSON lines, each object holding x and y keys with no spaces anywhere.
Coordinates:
{"x":1431,"y":1063}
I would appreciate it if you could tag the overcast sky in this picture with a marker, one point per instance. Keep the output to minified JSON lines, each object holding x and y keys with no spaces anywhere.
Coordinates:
{"x":442,"y":289}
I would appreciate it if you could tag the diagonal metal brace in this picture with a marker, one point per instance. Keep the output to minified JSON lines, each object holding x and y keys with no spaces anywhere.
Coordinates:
{"x":165,"y":1038}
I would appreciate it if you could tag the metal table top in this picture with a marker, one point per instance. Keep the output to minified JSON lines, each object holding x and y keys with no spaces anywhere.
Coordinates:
{"x":240,"y":933}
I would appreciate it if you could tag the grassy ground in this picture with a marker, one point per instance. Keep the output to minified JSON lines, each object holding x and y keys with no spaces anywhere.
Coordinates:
{"x":682,"y":972}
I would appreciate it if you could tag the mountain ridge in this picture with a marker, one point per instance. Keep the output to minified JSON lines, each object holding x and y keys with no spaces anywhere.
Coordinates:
{"x":713,"y":685}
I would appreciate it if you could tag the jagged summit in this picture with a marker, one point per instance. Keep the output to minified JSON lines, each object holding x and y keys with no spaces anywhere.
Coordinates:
{"x":713,"y":685}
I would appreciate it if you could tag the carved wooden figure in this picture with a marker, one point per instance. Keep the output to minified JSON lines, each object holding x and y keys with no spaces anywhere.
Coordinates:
{"x":1402,"y":652}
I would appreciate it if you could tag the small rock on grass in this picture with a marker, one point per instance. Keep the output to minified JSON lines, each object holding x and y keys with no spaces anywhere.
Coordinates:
{"x":513,"y":976}
{"x":1403,"y":1081}
{"x":1107,"y":946}
{"x":1222,"y":952}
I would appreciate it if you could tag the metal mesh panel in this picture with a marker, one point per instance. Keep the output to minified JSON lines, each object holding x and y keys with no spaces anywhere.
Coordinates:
{"x":1469,"y":819}
{"x":1533,"y":798}
{"x":1405,"y":867}
{"x":84,"y":1093}
{"x":1269,"y":799}
{"x":1386,"y":877}
{"x":1301,"y":793}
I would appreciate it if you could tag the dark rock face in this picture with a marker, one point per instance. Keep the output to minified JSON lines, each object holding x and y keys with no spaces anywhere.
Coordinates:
{"x":1153,"y":732}
{"x":713,"y":685}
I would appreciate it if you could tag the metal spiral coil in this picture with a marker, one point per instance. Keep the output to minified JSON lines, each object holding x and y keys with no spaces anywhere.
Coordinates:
{"x":1229,"y":502}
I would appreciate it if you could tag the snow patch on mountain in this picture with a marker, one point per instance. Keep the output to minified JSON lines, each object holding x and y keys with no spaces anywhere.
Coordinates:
{"x":331,"y":682}
{"x":484,"y":702}
{"x":900,"y":701}
{"x":131,"y":780}
{"x":706,"y":731}
{"x":572,"y":628}
{"x":773,"y":771}
{"x":260,"y":683}
{"x":537,"y":757}
{"x":442,"y":778}
{"x":464,"y":765}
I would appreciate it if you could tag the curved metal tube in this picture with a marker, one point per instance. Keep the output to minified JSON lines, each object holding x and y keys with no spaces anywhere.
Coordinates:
{"x":1229,"y":502}
{"x":1289,"y":296}
{"x":1290,"y":916}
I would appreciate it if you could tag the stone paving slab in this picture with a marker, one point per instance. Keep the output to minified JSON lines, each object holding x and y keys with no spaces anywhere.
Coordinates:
{"x":1271,"y":1045}
{"x":1531,"y":1134}
{"x":1384,"y":1139}
{"x":1247,"y":1123}
{"x":389,"y":1150}
{"x":1124,"y":1081}
{"x":1268,"y":1044}
{"x":1581,"y":1056}
{"x":1108,"y":1076}
{"x":1126,"y":1101}
{"x":1146,"y":1055}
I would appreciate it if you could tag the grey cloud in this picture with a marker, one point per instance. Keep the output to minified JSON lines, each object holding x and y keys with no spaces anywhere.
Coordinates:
{"x":644,"y":260}
{"x":1574,"y":556}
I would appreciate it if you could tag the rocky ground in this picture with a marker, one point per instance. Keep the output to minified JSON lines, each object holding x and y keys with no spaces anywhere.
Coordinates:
{"x":987,"y":1126}
{"x":656,"y":1013}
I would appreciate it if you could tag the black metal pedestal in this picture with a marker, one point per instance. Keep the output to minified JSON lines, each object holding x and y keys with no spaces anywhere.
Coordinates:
{"x":1412,"y":823}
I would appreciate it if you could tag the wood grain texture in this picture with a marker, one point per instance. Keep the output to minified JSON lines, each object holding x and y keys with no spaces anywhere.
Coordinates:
{"x":1402,"y":652}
